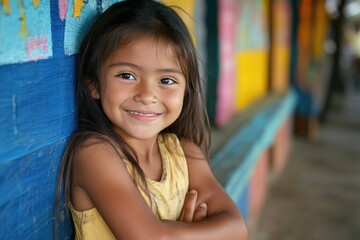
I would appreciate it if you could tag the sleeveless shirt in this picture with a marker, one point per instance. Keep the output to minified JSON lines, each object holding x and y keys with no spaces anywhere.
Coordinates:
{"x":166,"y":196}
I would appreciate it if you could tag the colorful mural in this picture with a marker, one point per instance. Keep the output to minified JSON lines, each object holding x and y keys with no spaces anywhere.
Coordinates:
{"x":252,"y":27}
{"x":78,"y":14}
{"x":252,"y":52}
{"x":25,"y":31}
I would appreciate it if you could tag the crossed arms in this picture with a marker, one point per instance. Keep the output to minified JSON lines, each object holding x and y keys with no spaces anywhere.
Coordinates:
{"x":208,"y":212}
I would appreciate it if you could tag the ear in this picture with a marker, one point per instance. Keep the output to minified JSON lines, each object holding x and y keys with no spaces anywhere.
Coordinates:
{"x":94,"y":91}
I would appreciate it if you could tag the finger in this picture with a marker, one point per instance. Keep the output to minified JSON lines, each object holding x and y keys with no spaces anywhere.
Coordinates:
{"x":187,"y":213}
{"x":200,"y":212}
{"x":189,"y":206}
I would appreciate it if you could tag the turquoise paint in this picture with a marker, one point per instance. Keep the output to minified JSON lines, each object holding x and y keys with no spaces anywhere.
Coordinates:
{"x":242,"y":202}
{"x":33,"y":44}
{"x":234,"y":163}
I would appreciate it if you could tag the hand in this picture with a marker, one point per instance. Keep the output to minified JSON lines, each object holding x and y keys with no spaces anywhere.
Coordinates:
{"x":190,"y":211}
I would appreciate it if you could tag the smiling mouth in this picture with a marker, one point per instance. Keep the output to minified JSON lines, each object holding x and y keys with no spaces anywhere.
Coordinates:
{"x":143,"y":114}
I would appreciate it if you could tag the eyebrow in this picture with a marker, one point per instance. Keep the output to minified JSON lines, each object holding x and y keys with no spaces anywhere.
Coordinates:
{"x":164,"y":70}
{"x":123,"y":64}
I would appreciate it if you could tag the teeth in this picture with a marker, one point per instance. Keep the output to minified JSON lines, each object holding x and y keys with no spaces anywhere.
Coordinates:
{"x":143,"y":114}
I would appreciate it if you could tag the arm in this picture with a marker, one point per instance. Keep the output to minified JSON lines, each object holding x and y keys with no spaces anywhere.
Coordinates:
{"x":224,"y":220}
{"x":104,"y":178}
{"x":100,"y":180}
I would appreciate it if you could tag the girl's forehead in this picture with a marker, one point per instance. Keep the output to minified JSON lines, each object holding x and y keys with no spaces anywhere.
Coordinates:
{"x":158,"y":43}
{"x":150,"y":46}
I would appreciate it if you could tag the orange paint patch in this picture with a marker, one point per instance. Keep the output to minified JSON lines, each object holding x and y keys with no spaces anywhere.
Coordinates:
{"x":78,"y":6}
{"x":6,"y":4}
{"x":36,"y":3}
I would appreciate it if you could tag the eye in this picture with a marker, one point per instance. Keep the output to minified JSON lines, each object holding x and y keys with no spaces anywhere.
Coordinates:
{"x":167,"y":81}
{"x":127,"y":76}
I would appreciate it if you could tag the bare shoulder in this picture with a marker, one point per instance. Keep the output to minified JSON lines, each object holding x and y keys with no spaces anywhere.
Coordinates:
{"x":94,"y":153}
{"x":95,"y":163}
{"x":191,"y":150}
{"x":92,"y":147}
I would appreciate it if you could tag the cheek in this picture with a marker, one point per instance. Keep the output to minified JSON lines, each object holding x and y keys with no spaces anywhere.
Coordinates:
{"x":110,"y":99}
{"x":114,"y":92}
{"x":177,"y":101}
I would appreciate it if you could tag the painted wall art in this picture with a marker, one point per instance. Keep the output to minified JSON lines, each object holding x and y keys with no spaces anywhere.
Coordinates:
{"x":78,"y":15}
{"x":25,"y":31}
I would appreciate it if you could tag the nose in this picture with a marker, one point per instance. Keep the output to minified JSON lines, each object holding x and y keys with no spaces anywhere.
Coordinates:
{"x":145,"y":93}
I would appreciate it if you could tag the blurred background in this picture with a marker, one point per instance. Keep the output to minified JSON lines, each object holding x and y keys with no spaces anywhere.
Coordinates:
{"x":282,"y":86}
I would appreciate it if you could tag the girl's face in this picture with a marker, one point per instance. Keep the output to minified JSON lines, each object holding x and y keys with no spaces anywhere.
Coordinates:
{"x":142,"y":89}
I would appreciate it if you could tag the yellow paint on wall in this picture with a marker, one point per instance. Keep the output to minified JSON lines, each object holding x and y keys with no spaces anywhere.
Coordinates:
{"x":36,"y":3}
{"x":251,"y":77}
{"x":6,"y":4}
{"x":78,"y":6}
{"x":188,"y":16}
{"x":280,"y":71}
{"x":22,"y":18}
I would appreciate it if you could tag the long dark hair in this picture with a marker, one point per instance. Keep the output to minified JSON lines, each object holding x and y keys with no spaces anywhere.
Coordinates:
{"x":118,"y":26}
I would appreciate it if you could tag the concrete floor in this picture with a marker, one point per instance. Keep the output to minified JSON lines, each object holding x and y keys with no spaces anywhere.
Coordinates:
{"x":317,"y":197}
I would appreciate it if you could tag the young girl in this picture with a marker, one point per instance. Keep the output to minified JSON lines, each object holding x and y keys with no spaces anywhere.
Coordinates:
{"x":136,"y":168}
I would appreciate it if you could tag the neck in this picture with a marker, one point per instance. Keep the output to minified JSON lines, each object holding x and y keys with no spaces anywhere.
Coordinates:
{"x":145,"y":149}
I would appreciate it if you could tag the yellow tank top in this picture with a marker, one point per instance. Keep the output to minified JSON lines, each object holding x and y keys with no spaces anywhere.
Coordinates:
{"x":167,"y":195}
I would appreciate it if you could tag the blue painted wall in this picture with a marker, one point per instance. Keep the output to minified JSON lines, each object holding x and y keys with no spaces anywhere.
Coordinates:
{"x":38,"y":114}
